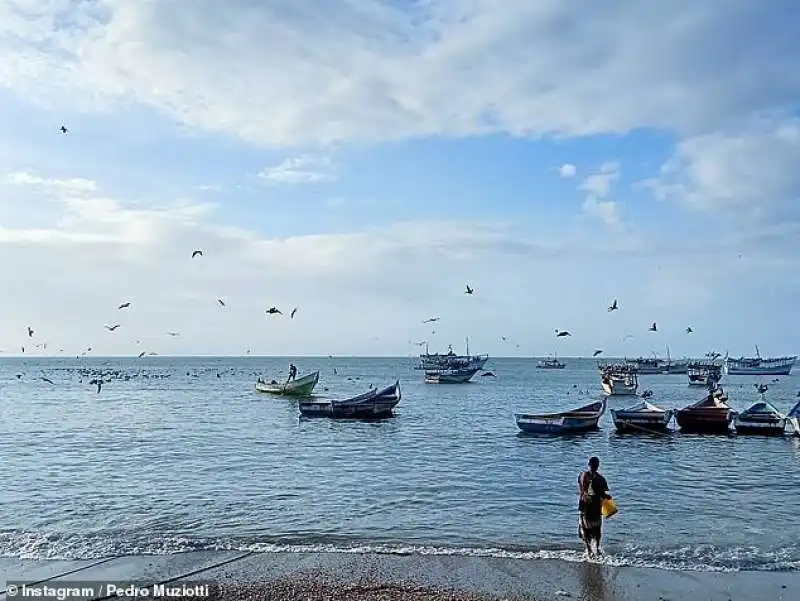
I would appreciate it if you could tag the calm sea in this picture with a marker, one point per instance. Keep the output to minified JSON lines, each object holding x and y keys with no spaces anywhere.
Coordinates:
{"x":182,"y":454}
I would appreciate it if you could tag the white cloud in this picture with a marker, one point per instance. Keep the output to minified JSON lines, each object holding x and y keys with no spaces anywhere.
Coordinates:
{"x":751,"y":172}
{"x":75,"y":185}
{"x":567,"y":170}
{"x":365,"y":69}
{"x":598,"y":187}
{"x":301,"y":170}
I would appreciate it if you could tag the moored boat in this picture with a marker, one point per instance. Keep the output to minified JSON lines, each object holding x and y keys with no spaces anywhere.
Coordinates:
{"x":374,"y":404}
{"x":793,"y":418}
{"x":760,"y":366}
{"x":551,"y":363}
{"x":582,"y":419}
{"x":298,"y":387}
{"x":642,"y":417}
{"x":704,"y":373}
{"x":450,"y":376}
{"x":711,"y":415}
{"x":619,"y":379}
{"x":648,"y":366}
{"x":761,"y":418}
{"x":449,"y":360}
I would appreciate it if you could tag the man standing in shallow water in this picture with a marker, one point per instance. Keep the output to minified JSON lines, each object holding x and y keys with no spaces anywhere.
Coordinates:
{"x":592,"y":488}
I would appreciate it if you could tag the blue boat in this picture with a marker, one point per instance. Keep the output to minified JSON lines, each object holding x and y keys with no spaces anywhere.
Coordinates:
{"x":761,"y":418}
{"x":582,"y":419}
{"x":374,"y":404}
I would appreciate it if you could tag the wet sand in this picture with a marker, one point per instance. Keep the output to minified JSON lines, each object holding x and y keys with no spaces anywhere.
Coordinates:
{"x":375,"y":577}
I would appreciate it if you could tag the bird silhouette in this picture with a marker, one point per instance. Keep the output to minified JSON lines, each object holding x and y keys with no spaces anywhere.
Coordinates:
{"x":273,"y":311}
{"x":142,"y":354}
{"x":197,"y":253}
{"x":431,"y":320}
{"x":653,"y":328}
{"x":597,"y":352}
{"x":173,"y":334}
{"x":613,"y":306}
{"x":562,"y":333}
{"x":221,"y":302}
{"x":48,"y":380}
{"x":63,"y":129}
{"x":30,"y":332}
{"x":291,"y":315}
{"x":689,"y":330}
{"x":22,"y":348}
{"x":112,"y":328}
{"x":124,"y":305}
{"x":468,"y":290}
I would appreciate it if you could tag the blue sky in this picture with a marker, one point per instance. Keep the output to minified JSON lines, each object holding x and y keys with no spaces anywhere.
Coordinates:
{"x":364,"y":161}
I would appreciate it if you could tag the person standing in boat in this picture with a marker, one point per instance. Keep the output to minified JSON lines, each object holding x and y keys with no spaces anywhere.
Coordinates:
{"x":592,"y":488}
{"x":292,"y":371}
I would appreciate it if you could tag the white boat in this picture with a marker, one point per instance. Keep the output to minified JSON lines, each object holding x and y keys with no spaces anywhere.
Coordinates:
{"x":551,"y":363}
{"x":704,"y":373}
{"x":450,"y":376}
{"x":619,"y":380}
{"x":643,"y":417}
{"x":760,"y":366}
{"x":793,"y":418}
{"x":435,"y":361}
{"x":299,"y":387}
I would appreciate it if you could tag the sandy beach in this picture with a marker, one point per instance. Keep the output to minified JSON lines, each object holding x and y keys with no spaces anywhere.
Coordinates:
{"x":381,"y":577}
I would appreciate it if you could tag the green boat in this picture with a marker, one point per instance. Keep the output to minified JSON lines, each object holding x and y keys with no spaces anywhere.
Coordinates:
{"x":299,"y":387}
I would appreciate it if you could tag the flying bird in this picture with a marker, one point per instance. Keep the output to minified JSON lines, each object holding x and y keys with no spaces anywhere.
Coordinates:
{"x":562,"y":333}
{"x":30,"y":332}
{"x":597,"y":352}
{"x":503,"y":338}
{"x":468,"y":290}
{"x":273,"y":311}
{"x":653,"y":328}
{"x":48,"y":380}
{"x":63,"y":129}
{"x":173,"y":334}
{"x":23,"y":348}
{"x":142,"y":354}
{"x":431,"y":320}
{"x":221,"y":302}
{"x":689,"y":330}
{"x":613,"y":306}
{"x":112,"y":328}
{"x":291,"y":315}
{"x":124,"y":306}
{"x":197,"y":253}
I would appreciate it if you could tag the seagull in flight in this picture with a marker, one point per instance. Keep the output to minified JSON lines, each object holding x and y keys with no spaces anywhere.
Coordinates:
{"x":124,"y":305}
{"x":48,"y":380}
{"x":63,"y":129}
{"x":562,"y":333}
{"x":597,"y":352}
{"x":142,"y":354}
{"x":221,"y":302}
{"x":273,"y":311}
{"x":469,"y":290}
{"x":613,"y":306}
{"x":431,"y":319}
{"x":173,"y":334}
{"x":689,"y":330}
{"x":30,"y":332}
{"x":291,"y":315}
{"x":112,"y":328}
{"x":197,"y":253}
{"x":653,"y":328}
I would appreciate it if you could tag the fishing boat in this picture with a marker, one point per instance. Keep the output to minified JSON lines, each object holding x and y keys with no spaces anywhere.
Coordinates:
{"x":677,"y":366}
{"x":642,"y":417}
{"x":619,"y":379}
{"x":761,"y":417}
{"x":704,"y":373}
{"x":374,"y":404}
{"x":582,"y":419}
{"x":449,"y":360}
{"x":760,"y":366}
{"x":450,"y":376}
{"x":648,"y":366}
{"x":711,"y":415}
{"x":551,"y":363}
{"x":298,"y":387}
{"x":793,"y":418}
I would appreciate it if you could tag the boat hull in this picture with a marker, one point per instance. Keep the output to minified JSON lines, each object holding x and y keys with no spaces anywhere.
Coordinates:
{"x":775,"y":427}
{"x":760,"y":367}
{"x":301,"y":387}
{"x":704,"y":420}
{"x":370,"y":405}
{"x":461,"y":376}
{"x":577,"y":421}
{"x":559,"y":366}
{"x":759,"y":371}
{"x":638,"y":422}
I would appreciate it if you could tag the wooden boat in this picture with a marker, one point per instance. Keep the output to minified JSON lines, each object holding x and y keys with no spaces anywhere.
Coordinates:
{"x":299,"y":387}
{"x":761,"y":418}
{"x":643,"y":417}
{"x":760,"y":366}
{"x":436,"y":362}
{"x":711,"y":415}
{"x":582,"y":419}
{"x":793,"y":418}
{"x":704,"y":373}
{"x":551,"y":363}
{"x":450,"y":376}
{"x":374,"y":404}
{"x":619,"y":380}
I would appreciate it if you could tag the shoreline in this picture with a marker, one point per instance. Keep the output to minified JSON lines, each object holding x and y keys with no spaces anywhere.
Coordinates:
{"x":371,"y":576}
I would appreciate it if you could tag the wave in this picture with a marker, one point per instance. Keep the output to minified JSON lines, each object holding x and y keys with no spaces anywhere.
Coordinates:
{"x":705,"y":558}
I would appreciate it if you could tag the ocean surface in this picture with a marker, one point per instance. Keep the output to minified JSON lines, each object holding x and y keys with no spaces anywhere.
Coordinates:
{"x":182,"y":454}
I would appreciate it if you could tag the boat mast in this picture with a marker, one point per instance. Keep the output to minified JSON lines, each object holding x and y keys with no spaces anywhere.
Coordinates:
{"x":758,"y":355}
{"x":467,"y":346}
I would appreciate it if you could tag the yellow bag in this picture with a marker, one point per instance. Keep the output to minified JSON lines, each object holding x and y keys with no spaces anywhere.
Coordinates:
{"x":608,"y":508}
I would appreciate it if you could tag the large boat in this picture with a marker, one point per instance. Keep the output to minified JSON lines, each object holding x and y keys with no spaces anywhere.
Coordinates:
{"x":760,"y":366}
{"x":711,"y":415}
{"x":648,"y":366}
{"x":704,"y":373}
{"x":435,"y":361}
{"x":582,"y":419}
{"x":761,"y":417}
{"x":375,"y":404}
{"x":676,"y":366}
{"x":643,"y":417}
{"x":619,"y":379}
{"x":450,"y":376}
{"x":299,"y":387}
{"x":551,"y":363}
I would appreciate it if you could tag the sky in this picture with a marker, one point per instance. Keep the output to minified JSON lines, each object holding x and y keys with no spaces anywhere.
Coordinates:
{"x":366,"y":160}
